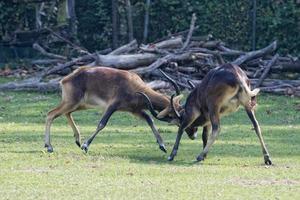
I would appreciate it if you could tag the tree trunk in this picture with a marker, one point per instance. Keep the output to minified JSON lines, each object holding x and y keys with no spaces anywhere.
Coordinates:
{"x":129,"y":20}
{"x":38,"y":9}
{"x":146,"y":21}
{"x":71,"y":17}
{"x":115,"y":26}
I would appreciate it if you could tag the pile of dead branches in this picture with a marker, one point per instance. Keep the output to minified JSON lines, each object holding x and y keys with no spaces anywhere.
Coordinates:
{"x":183,"y":56}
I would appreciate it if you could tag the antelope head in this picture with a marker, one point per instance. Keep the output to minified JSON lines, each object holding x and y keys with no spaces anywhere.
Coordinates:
{"x":174,"y":111}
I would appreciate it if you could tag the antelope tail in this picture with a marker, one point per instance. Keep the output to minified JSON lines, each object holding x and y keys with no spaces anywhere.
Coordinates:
{"x":246,"y":88}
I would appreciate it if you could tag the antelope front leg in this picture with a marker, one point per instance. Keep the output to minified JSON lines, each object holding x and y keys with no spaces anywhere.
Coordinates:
{"x":215,"y":122}
{"x":176,"y":145}
{"x":110,"y":110}
{"x":156,"y":134}
{"x":56,"y":112}
{"x":259,"y":135}
{"x":74,"y":128}
{"x":188,"y":119}
{"x":48,"y":145}
{"x":205,"y":133}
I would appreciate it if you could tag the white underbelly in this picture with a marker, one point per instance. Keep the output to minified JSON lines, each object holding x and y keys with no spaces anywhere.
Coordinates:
{"x":92,"y":101}
{"x":231,"y":106}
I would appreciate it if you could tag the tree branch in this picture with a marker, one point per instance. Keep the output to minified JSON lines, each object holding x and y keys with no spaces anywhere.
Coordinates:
{"x":254,"y":54}
{"x":37,"y":47}
{"x":188,"y":38}
{"x":266,"y":71}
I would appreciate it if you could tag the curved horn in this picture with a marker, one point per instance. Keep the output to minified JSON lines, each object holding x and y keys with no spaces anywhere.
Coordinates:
{"x":191,"y":84}
{"x":173,"y":108}
{"x":149,"y":104}
{"x":151,"y":108}
{"x":172,"y":81}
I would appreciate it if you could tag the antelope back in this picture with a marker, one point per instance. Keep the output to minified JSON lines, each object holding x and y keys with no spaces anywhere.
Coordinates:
{"x":104,"y":86}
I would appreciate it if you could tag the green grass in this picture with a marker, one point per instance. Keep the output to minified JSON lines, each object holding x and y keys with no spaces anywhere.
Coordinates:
{"x":124,"y":162}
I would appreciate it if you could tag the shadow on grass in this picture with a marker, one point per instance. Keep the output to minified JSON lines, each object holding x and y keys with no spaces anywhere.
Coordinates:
{"x":135,"y":136}
{"x":184,"y":158}
{"x":21,"y":151}
{"x":147,"y":151}
{"x":138,"y":144}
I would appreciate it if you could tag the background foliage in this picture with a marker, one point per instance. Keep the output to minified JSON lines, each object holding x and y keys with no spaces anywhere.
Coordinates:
{"x":228,"y":20}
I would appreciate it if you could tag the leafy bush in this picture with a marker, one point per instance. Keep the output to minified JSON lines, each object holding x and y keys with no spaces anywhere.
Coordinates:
{"x":228,"y":20}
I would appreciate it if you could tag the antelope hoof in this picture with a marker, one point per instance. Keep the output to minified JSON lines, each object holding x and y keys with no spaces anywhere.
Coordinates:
{"x":170,"y":158}
{"x":163,"y":148}
{"x":78,"y":143}
{"x":173,"y":154}
{"x":267,"y":160}
{"x":200,"y":158}
{"x":49,"y":148}
{"x":194,"y":136}
{"x":85,"y":147}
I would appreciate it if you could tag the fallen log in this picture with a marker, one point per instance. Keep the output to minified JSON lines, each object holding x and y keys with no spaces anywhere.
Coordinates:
{"x":153,"y":66}
{"x":172,"y":43}
{"x":203,"y":37}
{"x":125,"y":49}
{"x":104,"y":51}
{"x":207,"y":44}
{"x":129,"y":61}
{"x":188,"y":70}
{"x":232,"y":52}
{"x":272,"y":82}
{"x":212,"y":52}
{"x":291,"y":66}
{"x":254,"y":54}
{"x":38,"y":47}
{"x":163,"y":60}
{"x":31,"y":85}
{"x":46,"y":61}
{"x":266,"y":71}
{"x":60,"y":67}
{"x":282,"y":90}
{"x":181,"y":33}
{"x":53,"y":86}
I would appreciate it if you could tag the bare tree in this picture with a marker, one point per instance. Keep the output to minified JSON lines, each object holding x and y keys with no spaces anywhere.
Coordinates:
{"x":38,"y":11}
{"x":71,"y":17}
{"x":254,"y":25}
{"x":115,"y":26}
{"x":129,"y":20}
{"x":146,"y":20}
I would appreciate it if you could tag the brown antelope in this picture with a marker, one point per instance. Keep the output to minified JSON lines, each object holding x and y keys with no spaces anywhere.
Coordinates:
{"x":221,"y":92}
{"x":113,"y":90}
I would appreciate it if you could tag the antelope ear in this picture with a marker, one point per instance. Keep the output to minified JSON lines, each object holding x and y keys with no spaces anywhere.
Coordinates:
{"x":255,"y":92}
{"x":163,"y":113}
{"x":178,"y":98}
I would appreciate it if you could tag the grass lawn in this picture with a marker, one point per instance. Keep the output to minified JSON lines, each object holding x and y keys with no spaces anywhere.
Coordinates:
{"x":124,"y":162}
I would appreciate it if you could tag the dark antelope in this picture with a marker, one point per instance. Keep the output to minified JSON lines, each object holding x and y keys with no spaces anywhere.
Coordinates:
{"x":113,"y":90}
{"x":221,"y":92}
